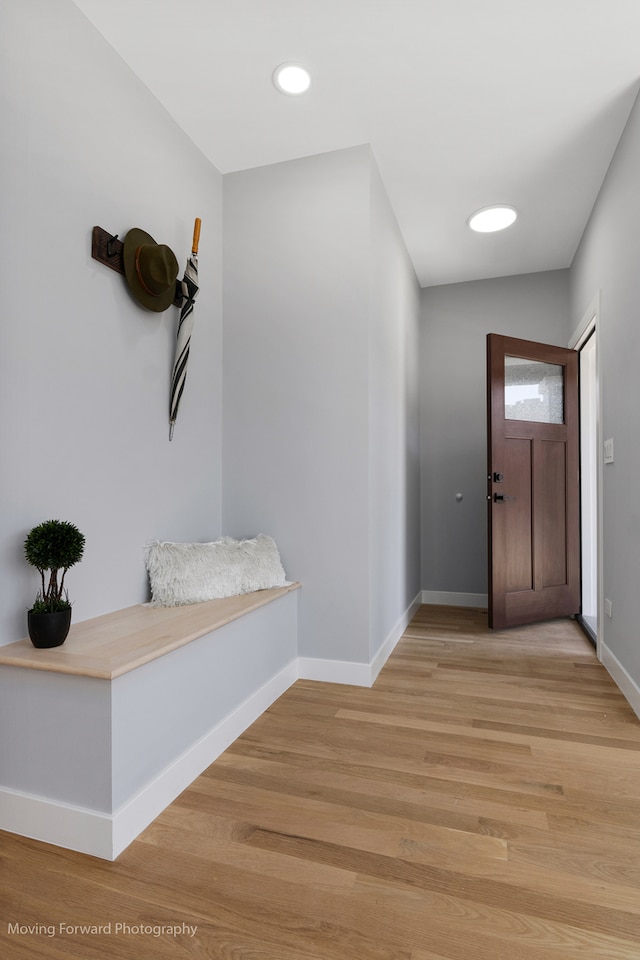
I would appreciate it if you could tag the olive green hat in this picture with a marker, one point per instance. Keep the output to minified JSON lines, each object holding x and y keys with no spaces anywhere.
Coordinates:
{"x":151,"y":270}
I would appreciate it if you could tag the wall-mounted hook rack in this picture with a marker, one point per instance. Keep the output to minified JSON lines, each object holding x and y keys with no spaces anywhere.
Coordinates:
{"x":107,"y":249}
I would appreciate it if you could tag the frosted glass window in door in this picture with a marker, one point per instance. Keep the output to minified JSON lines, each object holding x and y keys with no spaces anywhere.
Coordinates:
{"x":533,"y":390}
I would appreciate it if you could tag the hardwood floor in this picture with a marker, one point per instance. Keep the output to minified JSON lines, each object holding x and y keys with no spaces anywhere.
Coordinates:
{"x":480,"y":802}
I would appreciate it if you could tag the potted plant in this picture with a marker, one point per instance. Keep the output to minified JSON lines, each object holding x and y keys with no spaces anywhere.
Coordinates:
{"x":52,"y":546}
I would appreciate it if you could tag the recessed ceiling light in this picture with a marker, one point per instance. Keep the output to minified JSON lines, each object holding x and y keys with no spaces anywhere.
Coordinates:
{"x":490,"y":219}
{"x":291,"y":78}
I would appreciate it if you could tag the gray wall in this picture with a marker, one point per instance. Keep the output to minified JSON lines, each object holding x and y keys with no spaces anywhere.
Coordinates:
{"x":301,"y":340}
{"x":84,"y":370}
{"x":607,"y":260}
{"x":455,"y":321}
{"x":321,"y":434}
{"x":394,"y":434}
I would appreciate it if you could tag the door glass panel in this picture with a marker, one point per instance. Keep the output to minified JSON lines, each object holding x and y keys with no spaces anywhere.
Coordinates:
{"x":533,"y":390}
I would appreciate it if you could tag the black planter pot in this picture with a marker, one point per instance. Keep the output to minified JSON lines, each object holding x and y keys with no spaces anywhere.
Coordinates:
{"x":49,"y":629}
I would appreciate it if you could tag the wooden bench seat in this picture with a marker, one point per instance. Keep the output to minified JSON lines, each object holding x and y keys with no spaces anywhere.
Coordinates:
{"x":111,"y":645}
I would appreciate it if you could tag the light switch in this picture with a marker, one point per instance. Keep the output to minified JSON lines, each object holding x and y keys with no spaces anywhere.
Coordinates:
{"x":608,"y":451}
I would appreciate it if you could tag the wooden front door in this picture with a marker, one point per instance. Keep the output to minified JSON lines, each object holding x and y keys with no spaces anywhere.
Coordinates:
{"x":533,"y":481}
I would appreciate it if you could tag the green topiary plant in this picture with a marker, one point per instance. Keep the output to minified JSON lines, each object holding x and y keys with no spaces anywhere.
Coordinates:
{"x":54,"y":545}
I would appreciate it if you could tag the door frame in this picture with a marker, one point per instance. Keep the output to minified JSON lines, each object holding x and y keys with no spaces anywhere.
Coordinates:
{"x":591,"y":321}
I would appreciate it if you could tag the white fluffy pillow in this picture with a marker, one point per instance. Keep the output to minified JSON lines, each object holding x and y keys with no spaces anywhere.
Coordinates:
{"x":192,"y":572}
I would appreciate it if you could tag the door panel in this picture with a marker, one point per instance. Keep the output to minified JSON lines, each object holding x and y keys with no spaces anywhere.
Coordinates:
{"x":553,"y":496}
{"x":517,"y":515}
{"x":533,"y":493}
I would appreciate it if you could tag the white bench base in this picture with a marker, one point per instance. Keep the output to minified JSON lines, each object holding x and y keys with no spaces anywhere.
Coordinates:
{"x":88,"y":762}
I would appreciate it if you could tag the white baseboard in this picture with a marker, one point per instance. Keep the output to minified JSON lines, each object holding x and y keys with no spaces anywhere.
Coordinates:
{"x":388,"y":646}
{"x":106,"y":836}
{"x":61,"y":824}
{"x":445,"y":599}
{"x":626,"y":684}
{"x":334,"y":671}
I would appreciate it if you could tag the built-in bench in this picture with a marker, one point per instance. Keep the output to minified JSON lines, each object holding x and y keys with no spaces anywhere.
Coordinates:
{"x":102,"y":733}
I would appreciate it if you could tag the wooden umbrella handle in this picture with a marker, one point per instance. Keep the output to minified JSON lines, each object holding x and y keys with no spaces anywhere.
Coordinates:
{"x":196,"y":236}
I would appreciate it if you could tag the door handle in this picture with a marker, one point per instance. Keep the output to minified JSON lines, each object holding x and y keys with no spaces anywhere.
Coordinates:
{"x":501,"y":497}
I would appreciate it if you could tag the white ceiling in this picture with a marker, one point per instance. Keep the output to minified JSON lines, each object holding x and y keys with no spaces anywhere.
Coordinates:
{"x":465,"y":103}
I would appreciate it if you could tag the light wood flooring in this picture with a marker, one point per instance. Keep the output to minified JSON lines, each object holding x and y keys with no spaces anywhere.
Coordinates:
{"x":480,"y":802}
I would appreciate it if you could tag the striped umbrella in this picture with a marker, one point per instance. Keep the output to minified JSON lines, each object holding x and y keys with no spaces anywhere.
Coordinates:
{"x":185,"y":326}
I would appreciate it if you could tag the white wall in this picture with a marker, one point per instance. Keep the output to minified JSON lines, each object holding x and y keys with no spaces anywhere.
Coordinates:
{"x":298,"y":411}
{"x":456,"y":320}
{"x":607,"y":260}
{"x":84,"y":370}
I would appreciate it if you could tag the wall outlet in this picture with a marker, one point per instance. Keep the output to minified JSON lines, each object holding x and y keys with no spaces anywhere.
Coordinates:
{"x":608,"y":451}
{"x":608,"y":608}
